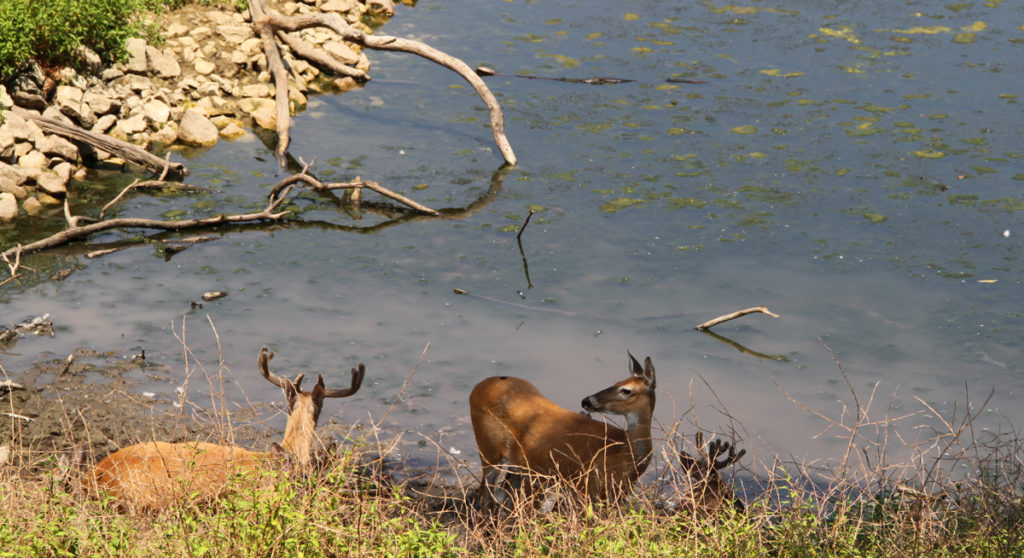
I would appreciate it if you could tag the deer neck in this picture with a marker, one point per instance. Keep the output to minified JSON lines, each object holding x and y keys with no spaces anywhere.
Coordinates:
{"x":298,"y":436}
{"x":638,"y":434}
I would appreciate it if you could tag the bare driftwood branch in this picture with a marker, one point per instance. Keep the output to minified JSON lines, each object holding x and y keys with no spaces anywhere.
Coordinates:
{"x":734,"y":315}
{"x":80,"y":227}
{"x":75,"y":233}
{"x":356,"y":185}
{"x":277,"y":69}
{"x":122,"y":149}
{"x":269,"y":19}
{"x":17,"y":260}
{"x":320,"y":58}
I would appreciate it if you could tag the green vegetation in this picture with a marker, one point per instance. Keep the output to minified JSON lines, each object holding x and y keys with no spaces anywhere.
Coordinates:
{"x":341,"y":513}
{"x":966,"y":499}
{"x":52,"y":32}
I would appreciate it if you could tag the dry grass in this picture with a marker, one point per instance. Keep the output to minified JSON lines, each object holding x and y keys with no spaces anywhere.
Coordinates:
{"x":959,"y":493}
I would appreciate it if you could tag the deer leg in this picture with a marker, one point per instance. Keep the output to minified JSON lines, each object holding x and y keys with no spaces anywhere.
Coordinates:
{"x":492,"y":486}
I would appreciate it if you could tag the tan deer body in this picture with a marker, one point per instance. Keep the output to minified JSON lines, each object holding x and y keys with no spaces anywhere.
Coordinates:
{"x":153,"y":475}
{"x":519,"y":429}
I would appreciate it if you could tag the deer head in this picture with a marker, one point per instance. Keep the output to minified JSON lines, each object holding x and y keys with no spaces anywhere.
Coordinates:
{"x":708,"y":491}
{"x":304,"y":406}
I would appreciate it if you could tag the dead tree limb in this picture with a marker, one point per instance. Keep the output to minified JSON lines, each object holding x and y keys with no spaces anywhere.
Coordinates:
{"x":305,"y":50}
{"x":75,"y":233}
{"x":356,"y":185}
{"x":123,"y":149}
{"x":277,"y":69}
{"x":269,"y":19}
{"x":80,"y":227}
{"x":734,"y":315}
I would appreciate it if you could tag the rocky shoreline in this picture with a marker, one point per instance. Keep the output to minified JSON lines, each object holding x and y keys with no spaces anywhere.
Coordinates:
{"x":207,"y":81}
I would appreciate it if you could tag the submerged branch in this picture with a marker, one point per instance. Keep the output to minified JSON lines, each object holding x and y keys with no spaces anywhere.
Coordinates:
{"x":357,"y":184}
{"x":277,"y":196}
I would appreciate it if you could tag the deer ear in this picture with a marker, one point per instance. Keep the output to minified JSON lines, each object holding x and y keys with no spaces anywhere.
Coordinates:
{"x":319,"y":390}
{"x":648,"y":373}
{"x":634,"y":365}
{"x":290,"y":394}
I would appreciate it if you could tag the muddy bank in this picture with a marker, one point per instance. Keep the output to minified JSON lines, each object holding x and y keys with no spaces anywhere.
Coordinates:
{"x":93,"y":405}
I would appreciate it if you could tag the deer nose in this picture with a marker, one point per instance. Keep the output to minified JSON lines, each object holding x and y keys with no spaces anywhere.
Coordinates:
{"x":588,"y":404}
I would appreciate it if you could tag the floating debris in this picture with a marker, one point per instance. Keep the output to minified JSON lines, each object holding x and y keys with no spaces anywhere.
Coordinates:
{"x":39,"y":325}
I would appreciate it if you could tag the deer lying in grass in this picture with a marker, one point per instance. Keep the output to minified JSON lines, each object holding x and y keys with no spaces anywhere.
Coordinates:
{"x":709,"y":494}
{"x":150,"y":476}
{"x":520,"y":432}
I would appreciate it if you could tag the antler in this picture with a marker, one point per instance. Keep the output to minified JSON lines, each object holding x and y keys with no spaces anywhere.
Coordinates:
{"x":709,"y":457}
{"x":718,"y":447}
{"x":357,"y":381}
{"x":266,"y":354}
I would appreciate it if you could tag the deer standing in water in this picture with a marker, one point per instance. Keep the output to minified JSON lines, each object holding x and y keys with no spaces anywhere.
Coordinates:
{"x":709,"y":494}
{"x":519,"y":431}
{"x":152,"y":475}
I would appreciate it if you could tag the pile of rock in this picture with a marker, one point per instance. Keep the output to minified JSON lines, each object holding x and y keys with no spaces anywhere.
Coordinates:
{"x":208,"y":80}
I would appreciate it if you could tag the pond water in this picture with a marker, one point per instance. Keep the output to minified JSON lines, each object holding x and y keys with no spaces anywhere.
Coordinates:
{"x":854,"y":166}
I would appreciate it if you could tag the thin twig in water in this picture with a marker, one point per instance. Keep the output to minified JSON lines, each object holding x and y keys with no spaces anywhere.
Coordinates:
{"x":519,"y":235}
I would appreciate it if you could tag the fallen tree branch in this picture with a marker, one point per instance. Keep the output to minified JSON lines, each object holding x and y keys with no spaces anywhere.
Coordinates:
{"x":734,"y":315}
{"x":75,"y":233}
{"x":80,"y":227}
{"x":391,"y":215}
{"x":123,"y":149}
{"x":277,"y":69}
{"x":265,"y":19}
{"x":356,"y":185}
{"x":309,"y":52}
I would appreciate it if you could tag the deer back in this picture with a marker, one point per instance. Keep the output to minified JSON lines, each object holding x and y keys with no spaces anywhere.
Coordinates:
{"x":153,"y":475}
{"x":513,"y":423}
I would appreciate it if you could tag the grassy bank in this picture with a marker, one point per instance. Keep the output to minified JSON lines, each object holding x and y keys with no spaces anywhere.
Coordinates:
{"x":959,"y":492}
{"x":342,"y":513}
{"x":925,"y":510}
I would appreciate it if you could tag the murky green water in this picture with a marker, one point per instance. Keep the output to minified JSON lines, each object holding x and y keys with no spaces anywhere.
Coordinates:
{"x":856,"y":167}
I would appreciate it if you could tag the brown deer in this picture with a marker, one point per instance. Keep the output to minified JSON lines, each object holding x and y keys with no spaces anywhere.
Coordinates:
{"x":519,"y":431}
{"x":152,"y":475}
{"x":709,"y":494}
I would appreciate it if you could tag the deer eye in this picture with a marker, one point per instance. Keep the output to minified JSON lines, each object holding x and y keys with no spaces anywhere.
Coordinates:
{"x":625,"y":391}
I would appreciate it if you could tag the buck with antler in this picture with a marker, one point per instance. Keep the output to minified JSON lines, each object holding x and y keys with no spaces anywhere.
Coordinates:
{"x":152,"y":475}
{"x":709,"y":494}
{"x":520,"y":432}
